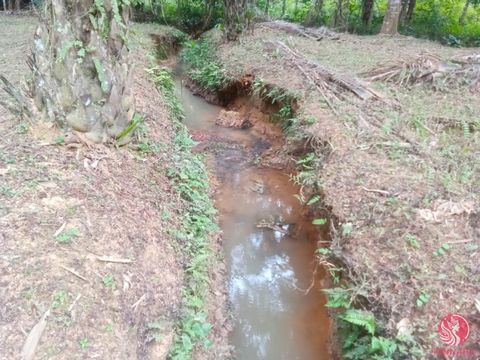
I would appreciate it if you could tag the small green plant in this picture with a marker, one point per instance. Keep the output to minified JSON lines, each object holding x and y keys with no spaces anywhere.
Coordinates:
{"x":319,"y":221}
{"x":84,"y":344}
{"x":442,"y":250}
{"x":422,"y":299}
{"x":59,"y":140}
{"x":359,"y":330}
{"x":59,"y":299}
{"x":313,"y":200}
{"x":22,"y":128}
{"x":412,"y":241}
{"x":108,"y":280}
{"x":324,"y":251}
{"x":109,"y":327}
{"x":347,"y":229}
{"x":66,"y":236}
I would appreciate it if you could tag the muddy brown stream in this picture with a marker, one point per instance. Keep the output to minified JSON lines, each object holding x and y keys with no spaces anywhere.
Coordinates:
{"x":269,"y":246}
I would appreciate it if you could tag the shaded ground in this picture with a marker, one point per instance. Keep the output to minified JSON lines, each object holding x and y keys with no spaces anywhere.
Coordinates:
{"x":87,"y":232}
{"x":404,"y":171}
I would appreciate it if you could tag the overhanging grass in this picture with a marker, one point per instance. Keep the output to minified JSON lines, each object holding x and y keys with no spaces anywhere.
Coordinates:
{"x":190,"y":178}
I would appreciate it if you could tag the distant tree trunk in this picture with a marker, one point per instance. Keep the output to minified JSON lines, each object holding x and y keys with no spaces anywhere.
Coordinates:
{"x":81,"y":74}
{"x":411,"y":8}
{"x":234,"y":18}
{"x":390,"y":22}
{"x":210,"y":7}
{"x":284,"y":7}
{"x":267,"y":5}
{"x":339,"y":18}
{"x":464,"y":13}
{"x":314,"y":16}
{"x":367,"y":11}
{"x":17,"y":5}
{"x":4,"y":5}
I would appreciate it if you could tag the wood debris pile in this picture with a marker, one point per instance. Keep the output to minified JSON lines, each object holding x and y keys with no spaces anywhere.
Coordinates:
{"x":432,"y":70}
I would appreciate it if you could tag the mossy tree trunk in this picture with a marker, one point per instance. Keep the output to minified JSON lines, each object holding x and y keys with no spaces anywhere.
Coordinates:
{"x":392,"y":17}
{"x":234,"y":14}
{"x":81,"y":73}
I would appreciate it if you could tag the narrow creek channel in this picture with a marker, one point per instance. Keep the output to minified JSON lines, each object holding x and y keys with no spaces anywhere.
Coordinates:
{"x":269,"y":245}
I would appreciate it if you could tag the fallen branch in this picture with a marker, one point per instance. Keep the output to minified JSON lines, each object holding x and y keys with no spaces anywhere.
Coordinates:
{"x":316,"y":34}
{"x":319,"y":76}
{"x":74,"y":273}
{"x":114,"y":260}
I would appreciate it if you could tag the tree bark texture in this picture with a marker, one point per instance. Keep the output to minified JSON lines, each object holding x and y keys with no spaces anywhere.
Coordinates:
{"x":234,"y":18}
{"x":81,"y":73}
{"x":392,"y":17}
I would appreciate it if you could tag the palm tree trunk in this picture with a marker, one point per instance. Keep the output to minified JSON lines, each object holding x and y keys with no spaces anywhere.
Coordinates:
{"x":81,"y":72}
{"x":391,"y":20}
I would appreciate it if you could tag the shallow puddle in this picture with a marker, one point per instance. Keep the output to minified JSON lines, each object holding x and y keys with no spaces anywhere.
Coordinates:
{"x":274,"y":286}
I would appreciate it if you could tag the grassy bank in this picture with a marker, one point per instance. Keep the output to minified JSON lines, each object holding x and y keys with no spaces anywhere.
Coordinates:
{"x":190,"y":177}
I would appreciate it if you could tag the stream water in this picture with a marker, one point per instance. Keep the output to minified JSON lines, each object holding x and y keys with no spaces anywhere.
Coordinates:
{"x":269,"y":246}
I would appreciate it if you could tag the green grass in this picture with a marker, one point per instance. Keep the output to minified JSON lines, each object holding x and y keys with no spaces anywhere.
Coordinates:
{"x":189,"y":176}
{"x":202,"y":65}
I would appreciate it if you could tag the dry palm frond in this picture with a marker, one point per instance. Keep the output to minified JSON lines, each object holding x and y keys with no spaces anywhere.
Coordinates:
{"x":432,"y":70}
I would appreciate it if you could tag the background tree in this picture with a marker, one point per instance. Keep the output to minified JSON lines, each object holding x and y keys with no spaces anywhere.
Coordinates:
{"x":410,"y":9}
{"x":367,"y":11}
{"x":81,"y":73}
{"x":234,"y":16}
{"x":464,"y":12}
{"x":314,"y":15}
{"x":391,"y":20}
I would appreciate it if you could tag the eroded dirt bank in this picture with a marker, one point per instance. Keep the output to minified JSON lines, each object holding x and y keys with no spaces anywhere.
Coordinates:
{"x":398,"y":169}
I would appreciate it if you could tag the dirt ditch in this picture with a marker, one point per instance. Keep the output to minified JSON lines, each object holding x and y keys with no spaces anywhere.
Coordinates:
{"x":274,"y":279}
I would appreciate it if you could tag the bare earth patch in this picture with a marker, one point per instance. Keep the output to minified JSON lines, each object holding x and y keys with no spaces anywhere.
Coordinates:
{"x":403,"y":170}
{"x":86,"y":232}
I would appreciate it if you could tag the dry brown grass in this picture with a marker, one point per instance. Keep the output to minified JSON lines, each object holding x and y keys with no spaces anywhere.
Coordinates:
{"x":390,"y":161}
